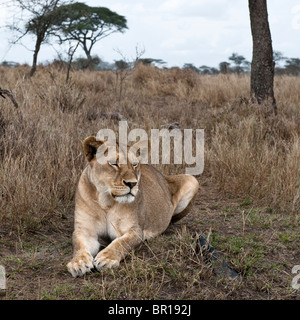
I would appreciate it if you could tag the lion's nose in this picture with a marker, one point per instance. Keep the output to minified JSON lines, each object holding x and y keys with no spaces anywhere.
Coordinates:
{"x":130,"y":184}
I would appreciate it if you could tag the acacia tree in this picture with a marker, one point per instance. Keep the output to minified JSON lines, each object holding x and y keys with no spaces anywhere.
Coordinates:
{"x":262,"y":68}
{"x":39,"y":23}
{"x":87,"y":25}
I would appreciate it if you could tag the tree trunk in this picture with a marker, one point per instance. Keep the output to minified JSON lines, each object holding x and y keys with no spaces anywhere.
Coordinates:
{"x":90,"y":61}
{"x":262,"y":67}
{"x":35,"y":55}
{"x":87,"y":51}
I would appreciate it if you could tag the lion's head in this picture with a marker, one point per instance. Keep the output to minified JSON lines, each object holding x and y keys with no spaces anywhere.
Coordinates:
{"x":116,"y":174}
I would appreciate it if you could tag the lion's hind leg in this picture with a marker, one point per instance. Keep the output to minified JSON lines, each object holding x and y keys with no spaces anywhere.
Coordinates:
{"x":184,"y":189}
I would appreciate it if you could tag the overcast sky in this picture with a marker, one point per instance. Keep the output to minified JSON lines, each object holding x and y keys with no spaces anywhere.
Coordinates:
{"x":202,"y":32}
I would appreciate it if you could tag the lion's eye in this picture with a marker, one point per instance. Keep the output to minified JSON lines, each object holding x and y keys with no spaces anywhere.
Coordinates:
{"x":135,"y":164}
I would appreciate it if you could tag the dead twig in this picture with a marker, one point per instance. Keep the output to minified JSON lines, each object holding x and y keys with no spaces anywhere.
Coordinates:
{"x":11,"y":97}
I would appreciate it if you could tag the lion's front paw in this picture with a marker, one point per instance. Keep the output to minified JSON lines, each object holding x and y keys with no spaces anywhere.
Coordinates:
{"x":80,"y":264}
{"x":105,"y":260}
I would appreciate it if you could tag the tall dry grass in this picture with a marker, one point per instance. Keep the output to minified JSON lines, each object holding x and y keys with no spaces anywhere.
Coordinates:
{"x":248,"y":154}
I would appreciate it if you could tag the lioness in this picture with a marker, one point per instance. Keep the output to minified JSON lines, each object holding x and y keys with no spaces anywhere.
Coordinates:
{"x":124,"y":203}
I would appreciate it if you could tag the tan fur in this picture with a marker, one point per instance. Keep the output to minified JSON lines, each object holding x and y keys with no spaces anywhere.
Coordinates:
{"x":104,"y":209}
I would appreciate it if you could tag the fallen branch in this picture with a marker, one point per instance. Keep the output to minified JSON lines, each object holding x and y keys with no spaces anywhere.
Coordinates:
{"x":219,"y":264}
{"x":11,"y":97}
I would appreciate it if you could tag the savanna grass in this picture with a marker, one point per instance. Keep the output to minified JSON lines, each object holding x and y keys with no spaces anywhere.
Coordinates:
{"x":248,"y":153}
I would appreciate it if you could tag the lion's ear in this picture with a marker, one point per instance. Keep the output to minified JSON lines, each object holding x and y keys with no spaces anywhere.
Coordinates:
{"x":90,"y":147}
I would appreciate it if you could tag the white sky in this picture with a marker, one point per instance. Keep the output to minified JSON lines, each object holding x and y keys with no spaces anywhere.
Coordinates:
{"x":202,"y":32}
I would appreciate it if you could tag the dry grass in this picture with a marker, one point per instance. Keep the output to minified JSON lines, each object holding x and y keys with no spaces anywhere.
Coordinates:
{"x":248,"y":155}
